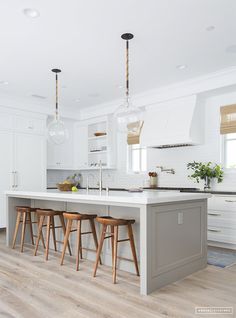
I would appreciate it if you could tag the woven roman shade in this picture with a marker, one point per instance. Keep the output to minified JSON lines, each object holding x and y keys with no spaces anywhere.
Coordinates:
{"x":134,"y":131}
{"x":228,"y":119}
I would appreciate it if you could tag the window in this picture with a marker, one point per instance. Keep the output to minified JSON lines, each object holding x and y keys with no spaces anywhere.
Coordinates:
{"x":229,"y":151}
{"x":137,"y":159}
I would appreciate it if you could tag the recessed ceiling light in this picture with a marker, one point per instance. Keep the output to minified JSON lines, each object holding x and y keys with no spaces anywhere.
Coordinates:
{"x":77,"y":100}
{"x":4,"y":83}
{"x":38,"y":96}
{"x":231,"y":49}
{"x":120,"y":86}
{"x":181,"y":67}
{"x":31,"y":13}
{"x":210,"y":28}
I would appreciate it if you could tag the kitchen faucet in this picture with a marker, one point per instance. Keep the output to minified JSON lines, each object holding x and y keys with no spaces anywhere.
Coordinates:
{"x":170,"y":170}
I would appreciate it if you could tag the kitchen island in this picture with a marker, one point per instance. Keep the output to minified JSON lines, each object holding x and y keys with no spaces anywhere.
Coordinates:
{"x":170,"y":229}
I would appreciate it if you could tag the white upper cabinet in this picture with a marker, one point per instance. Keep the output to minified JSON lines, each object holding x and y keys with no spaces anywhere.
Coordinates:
{"x":62,"y":156}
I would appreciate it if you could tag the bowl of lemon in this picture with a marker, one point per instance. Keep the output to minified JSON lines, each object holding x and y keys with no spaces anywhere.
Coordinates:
{"x":65,"y":186}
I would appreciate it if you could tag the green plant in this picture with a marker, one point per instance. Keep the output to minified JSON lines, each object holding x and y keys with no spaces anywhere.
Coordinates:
{"x":203,"y":171}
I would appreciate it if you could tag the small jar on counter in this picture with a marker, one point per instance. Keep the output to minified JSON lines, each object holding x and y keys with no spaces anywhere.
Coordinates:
{"x":153,"y":179}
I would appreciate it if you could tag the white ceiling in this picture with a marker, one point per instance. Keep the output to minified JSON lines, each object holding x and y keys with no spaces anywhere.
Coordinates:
{"x":82,"y":37}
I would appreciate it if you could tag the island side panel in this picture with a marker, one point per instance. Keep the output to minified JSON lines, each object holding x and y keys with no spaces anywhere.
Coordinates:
{"x":178,"y":243}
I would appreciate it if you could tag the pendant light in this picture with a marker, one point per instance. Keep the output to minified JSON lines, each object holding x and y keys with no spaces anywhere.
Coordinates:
{"x":126,"y":113}
{"x":57,"y":132}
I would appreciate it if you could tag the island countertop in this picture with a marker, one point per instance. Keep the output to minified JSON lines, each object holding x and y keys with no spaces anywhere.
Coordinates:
{"x":114,"y":197}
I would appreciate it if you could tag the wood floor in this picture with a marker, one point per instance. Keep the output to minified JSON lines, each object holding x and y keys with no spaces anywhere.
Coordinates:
{"x":30,"y":287}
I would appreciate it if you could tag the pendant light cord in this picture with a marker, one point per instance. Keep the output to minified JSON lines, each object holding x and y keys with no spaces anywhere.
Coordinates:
{"x":56,"y":96}
{"x":127,"y":73}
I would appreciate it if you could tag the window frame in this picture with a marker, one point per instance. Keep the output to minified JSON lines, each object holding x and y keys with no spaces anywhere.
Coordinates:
{"x":129,"y":160}
{"x":223,"y":155}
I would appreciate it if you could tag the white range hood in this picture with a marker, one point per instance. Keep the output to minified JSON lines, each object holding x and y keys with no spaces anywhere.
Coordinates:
{"x":175,"y":123}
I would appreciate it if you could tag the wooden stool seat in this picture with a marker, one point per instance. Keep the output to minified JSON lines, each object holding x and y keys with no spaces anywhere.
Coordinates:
{"x":114,"y":224}
{"x":50,"y":225}
{"x":48,"y":212}
{"x":78,"y":217}
{"x":108,"y":220}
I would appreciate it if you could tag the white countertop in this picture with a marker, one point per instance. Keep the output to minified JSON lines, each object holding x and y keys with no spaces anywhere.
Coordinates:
{"x":113,"y":198}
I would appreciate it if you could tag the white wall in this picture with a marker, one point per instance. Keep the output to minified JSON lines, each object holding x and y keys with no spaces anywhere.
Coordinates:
{"x":176,"y":158}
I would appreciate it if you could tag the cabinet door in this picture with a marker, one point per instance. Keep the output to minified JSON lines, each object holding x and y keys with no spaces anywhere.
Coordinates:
{"x":6,"y":171}
{"x":62,"y":156}
{"x":81,"y":146}
{"x":30,"y":162}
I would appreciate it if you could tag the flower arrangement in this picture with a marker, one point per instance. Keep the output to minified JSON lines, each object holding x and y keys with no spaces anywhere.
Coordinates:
{"x":205,"y":171}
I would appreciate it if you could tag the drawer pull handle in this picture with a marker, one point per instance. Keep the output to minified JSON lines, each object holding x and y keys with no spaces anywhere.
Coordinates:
{"x":212,"y":230}
{"x":230,"y":200}
{"x":214,"y":214}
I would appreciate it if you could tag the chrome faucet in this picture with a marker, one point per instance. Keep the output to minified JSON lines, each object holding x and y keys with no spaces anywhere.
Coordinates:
{"x":100,"y":177}
{"x":87,"y":186}
{"x":170,"y":170}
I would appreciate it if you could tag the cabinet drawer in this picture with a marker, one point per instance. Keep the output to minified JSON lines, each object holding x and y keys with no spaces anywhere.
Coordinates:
{"x":222,"y":203}
{"x":30,"y":125}
{"x":222,"y":223}
{"x":219,"y":214}
{"x":224,"y":235}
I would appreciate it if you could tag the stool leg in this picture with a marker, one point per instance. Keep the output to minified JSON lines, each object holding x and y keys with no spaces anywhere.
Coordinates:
{"x":16,"y":229}
{"x":104,"y":228}
{"x":48,"y":237}
{"x":42,"y":238}
{"x":64,"y":231}
{"x":93,"y":229}
{"x":78,"y":244}
{"x":68,"y":229}
{"x":40,"y":228}
{"x":115,"y":253}
{"x":53,"y":232}
{"x":112,"y":244}
{"x":132,"y":245}
{"x":23,"y":231}
{"x":31,"y":228}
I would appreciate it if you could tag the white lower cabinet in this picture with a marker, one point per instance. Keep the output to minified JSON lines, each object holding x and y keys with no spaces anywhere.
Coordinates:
{"x":22,"y":162}
{"x":222,"y":220}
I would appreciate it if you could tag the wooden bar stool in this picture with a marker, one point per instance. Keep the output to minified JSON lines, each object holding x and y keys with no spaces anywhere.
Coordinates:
{"x":24,"y":217}
{"x":73,"y":216}
{"x":50,"y":225}
{"x":114,"y":228}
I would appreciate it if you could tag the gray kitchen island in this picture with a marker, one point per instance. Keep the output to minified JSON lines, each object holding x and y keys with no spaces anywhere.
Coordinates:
{"x":170,"y":229}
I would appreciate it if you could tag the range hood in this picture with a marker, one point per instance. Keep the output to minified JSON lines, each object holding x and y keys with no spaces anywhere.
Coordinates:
{"x":175,"y":123}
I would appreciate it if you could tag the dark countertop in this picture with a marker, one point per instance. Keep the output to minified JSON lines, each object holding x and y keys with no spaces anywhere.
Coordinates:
{"x":211,"y":192}
{"x":181,"y":189}
{"x":172,"y":188}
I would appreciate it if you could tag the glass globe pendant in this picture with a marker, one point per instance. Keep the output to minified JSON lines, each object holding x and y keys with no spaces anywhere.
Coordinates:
{"x":127,"y":113}
{"x":57,"y":132}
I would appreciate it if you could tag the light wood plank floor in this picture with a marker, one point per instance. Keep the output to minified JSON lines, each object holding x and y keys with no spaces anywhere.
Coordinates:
{"x":31,"y":287}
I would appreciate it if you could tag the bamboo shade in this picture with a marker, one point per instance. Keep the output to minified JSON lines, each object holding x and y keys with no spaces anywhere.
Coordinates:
{"x":228,"y":119}
{"x":134,"y":131}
